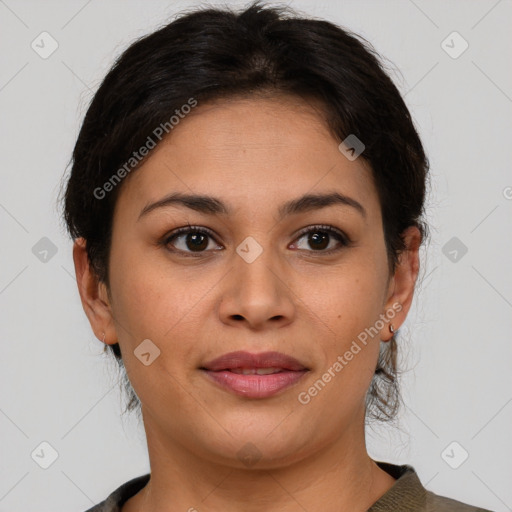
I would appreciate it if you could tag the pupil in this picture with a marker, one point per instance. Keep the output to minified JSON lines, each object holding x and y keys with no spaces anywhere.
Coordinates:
{"x":319,"y":238}
{"x":197,"y":241}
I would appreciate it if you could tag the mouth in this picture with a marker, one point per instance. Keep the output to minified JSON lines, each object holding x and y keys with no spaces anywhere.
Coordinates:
{"x":254,"y":375}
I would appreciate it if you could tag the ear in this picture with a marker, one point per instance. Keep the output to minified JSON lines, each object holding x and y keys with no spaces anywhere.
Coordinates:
{"x":93,"y":295}
{"x":402,"y":284}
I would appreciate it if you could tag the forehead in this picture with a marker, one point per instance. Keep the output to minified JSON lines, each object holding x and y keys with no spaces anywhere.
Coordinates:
{"x":256,"y":151}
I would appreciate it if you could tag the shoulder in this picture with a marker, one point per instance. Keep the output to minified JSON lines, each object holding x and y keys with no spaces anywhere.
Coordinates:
{"x":436,"y":503}
{"x":409,"y":495}
{"x":117,"y":498}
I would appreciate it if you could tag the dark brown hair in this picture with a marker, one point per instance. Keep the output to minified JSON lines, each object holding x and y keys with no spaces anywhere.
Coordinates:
{"x":213,"y":53}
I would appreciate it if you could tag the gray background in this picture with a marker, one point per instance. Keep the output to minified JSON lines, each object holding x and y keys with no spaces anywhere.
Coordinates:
{"x":57,"y":386}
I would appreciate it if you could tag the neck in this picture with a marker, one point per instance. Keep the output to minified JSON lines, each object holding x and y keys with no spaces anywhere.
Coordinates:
{"x":340,"y":476}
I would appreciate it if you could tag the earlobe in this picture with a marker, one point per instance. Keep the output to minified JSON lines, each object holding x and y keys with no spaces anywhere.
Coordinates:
{"x":403,"y":283}
{"x":93,"y":295}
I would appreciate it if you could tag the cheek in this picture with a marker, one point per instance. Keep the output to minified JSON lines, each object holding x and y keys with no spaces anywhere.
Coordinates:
{"x":346,"y":299}
{"x":164,"y":310}
{"x":347,"y":303}
{"x":142,"y":300}
{"x":153,"y":302}
{"x":349,"y":306}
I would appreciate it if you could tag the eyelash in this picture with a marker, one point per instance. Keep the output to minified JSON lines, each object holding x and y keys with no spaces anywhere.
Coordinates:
{"x":343,"y":239}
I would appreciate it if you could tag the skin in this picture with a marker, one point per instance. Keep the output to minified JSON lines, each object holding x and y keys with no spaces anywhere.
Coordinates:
{"x":253,"y":154}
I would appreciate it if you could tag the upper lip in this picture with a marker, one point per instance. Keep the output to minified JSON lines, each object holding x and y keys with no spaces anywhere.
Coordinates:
{"x":243,"y":359}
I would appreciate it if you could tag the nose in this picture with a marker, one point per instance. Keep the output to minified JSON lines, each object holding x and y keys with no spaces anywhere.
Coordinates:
{"x":257,"y":294}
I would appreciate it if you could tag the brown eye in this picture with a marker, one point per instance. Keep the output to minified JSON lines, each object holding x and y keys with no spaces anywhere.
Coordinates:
{"x":190,"y":240}
{"x":196,"y":241}
{"x":320,"y":238}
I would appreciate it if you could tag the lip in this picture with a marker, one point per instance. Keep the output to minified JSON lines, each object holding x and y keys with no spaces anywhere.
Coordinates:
{"x":288,"y":372}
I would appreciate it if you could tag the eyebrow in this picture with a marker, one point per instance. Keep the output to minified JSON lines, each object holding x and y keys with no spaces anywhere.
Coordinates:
{"x":212,"y":206}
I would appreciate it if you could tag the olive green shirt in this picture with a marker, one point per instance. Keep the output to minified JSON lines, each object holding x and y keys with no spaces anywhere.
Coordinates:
{"x":406,"y":495}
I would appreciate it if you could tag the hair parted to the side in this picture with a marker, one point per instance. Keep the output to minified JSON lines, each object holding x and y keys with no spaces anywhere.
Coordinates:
{"x":214,"y":53}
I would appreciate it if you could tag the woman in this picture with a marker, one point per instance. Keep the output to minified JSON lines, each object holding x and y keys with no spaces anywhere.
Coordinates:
{"x":246,"y":201}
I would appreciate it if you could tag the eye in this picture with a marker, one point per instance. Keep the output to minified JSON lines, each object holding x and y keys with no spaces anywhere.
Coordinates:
{"x":194,"y":239}
{"x":320,"y":237}
{"x":190,"y":239}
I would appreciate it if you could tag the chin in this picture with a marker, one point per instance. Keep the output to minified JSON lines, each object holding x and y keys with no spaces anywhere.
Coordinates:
{"x":254,"y":446}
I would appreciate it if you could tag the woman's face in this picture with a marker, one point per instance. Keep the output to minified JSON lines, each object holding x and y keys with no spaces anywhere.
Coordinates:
{"x":263,"y":274}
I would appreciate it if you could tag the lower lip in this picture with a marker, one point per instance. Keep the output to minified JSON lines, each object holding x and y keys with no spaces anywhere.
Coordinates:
{"x":255,"y":386}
